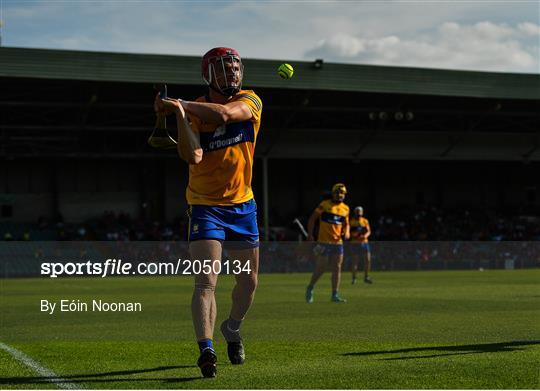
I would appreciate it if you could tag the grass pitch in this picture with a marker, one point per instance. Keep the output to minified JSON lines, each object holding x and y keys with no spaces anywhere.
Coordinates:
{"x":446,"y":329}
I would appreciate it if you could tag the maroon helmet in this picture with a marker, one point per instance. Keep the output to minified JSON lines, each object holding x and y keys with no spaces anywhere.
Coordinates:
{"x":224,"y":67}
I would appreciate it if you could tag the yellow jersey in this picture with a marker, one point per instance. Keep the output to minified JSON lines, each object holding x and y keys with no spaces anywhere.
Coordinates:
{"x":223,"y":177}
{"x":332,"y":220}
{"x":360,"y":229}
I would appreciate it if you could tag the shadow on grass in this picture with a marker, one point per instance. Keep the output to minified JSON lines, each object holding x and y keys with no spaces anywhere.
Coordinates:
{"x":458,"y":349}
{"x":93,"y":377}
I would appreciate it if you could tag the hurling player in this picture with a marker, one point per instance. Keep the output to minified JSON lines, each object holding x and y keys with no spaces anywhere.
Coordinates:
{"x":216,"y":136}
{"x":360,"y":231}
{"x":333,"y":216}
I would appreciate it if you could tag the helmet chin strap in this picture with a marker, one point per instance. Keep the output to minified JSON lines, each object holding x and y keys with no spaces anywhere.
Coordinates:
{"x":228,"y":92}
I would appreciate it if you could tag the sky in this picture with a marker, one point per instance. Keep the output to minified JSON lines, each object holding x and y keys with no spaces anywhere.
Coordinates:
{"x":500,"y":36}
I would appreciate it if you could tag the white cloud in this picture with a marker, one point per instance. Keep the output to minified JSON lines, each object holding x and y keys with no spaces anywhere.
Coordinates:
{"x":483,"y":45}
{"x":343,"y":45}
{"x":489,"y":31}
{"x":496,"y":35}
{"x":529,"y":28}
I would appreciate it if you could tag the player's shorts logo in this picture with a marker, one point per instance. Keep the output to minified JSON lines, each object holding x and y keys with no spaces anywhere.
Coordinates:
{"x":195,"y":228}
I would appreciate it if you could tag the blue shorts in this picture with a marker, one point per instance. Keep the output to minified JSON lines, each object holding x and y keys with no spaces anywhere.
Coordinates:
{"x":235,"y":223}
{"x":327,"y":249}
{"x":360,"y":247}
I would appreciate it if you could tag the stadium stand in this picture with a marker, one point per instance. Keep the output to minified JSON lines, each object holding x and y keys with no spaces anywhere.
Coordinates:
{"x":406,"y":141}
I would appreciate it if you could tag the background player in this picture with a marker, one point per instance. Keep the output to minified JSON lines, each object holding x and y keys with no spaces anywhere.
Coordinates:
{"x":333,"y":216}
{"x":360,"y":231}
{"x":219,"y":145}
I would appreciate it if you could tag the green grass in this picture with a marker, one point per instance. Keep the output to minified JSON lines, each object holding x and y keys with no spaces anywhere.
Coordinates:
{"x":413,"y":330}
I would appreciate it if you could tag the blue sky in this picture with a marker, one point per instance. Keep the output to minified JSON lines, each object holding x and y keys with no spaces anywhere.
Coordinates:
{"x":500,"y":36}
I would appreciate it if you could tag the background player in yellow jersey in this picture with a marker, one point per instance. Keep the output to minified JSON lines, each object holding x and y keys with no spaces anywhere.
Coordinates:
{"x":216,"y":136}
{"x":360,"y":231}
{"x":333,"y":216}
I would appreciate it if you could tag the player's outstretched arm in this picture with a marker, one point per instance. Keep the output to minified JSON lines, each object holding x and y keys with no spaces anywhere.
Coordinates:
{"x":215,"y":113}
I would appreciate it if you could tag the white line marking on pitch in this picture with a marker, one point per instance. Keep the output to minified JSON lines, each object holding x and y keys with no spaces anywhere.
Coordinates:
{"x":39,"y":369}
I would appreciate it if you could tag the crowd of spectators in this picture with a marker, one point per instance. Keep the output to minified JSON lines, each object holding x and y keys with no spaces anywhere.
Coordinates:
{"x":456,"y":224}
{"x":110,"y":226}
{"x":431,"y":223}
{"x":402,"y":239}
{"x":399,"y":224}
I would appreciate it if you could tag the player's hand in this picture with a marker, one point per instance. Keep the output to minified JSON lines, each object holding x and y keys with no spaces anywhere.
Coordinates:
{"x":159,"y":106}
{"x":168,"y":106}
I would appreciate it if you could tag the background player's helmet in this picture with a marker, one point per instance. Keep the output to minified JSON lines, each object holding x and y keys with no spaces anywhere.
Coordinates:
{"x":215,"y":67}
{"x":358,"y":211}
{"x":339,"y":187}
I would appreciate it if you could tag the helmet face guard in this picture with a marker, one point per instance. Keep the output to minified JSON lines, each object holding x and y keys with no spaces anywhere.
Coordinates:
{"x":222,"y":70}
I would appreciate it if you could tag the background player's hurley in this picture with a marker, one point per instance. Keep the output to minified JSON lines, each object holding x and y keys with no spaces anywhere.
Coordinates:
{"x":301,"y":227}
{"x":160,"y":137}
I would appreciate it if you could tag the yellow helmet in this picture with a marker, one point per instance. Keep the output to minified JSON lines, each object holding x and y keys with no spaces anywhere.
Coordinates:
{"x":339,"y":187}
